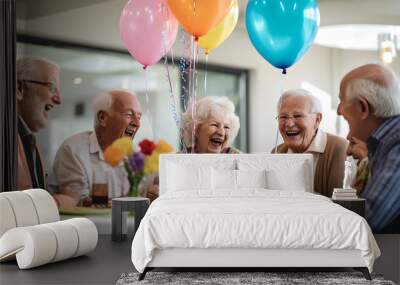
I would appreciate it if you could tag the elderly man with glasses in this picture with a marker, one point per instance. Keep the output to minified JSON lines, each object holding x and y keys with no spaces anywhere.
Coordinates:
{"x":79,"y":167}
{"x":299,"y":116}
{"x":37,"y":93}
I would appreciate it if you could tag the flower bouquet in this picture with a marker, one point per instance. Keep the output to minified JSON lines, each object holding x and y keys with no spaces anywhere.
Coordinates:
{"x":136,"y":163}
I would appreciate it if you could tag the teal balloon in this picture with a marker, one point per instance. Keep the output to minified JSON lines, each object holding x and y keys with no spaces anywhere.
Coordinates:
{"x":282,"y":30}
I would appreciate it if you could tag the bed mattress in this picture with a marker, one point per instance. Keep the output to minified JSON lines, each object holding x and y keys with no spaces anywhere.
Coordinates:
{"x":250,"y":219}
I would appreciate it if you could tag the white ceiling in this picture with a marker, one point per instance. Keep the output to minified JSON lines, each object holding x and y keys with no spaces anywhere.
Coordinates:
{"x":336,"y":13}
{"x":43,"y":8}
{"x":332,"y":12}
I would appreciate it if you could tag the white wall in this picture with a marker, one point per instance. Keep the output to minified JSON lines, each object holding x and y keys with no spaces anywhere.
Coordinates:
{"x":322,"y":67}
{"x":267,"y":82}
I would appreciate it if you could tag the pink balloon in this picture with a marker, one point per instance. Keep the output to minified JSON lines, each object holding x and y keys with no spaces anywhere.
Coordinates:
{"x":148,"y":29}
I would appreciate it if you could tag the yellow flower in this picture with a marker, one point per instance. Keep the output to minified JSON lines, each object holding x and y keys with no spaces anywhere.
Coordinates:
{"x":151,"y":163}
{"x":113,"y":155}
{"x":125,"y":144}
{"x":164,"y":147}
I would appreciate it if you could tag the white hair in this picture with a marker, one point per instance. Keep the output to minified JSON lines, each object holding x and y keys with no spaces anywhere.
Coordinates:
{"x":103,"y":102}
{"x":316,"y":106}
{"x":27,"y":67}
{"x":204,"y":108}
{"x":384,"y":99}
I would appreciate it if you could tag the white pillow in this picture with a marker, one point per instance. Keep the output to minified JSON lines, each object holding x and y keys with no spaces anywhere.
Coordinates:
{"x":293,"y":179}
{"x":251,"y":178}
{"x":184,"y":177}
{"x":223,"y":179}
{"x":283,"y":172}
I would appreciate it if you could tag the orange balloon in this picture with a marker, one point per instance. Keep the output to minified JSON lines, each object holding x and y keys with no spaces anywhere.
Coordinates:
{"x":198,"y":17}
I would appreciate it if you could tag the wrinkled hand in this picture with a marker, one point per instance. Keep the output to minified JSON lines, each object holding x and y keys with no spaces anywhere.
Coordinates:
{"x":357,"y":148}
{"x":67,"y":197}
{"x":152,"y":192}
{"x":87,"y":202}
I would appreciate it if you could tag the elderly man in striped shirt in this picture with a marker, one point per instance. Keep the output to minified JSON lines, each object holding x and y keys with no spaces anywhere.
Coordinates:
{"x":370,"y":103}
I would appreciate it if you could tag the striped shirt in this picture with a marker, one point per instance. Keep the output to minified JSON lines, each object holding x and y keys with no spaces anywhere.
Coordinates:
{"x":382,"y":192}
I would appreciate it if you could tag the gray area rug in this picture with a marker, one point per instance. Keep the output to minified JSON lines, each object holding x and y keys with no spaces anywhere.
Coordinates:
{"x":228,"y":278}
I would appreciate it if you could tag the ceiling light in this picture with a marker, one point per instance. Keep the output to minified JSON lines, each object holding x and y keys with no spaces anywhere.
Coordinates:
{"x":77,"y":80}
{"x":387,"y":45}
{"x":355,"y":37}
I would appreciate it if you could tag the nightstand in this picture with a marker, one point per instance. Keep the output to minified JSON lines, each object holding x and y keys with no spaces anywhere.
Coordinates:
{"x":120,"y":208}
{"x":355,"y":205}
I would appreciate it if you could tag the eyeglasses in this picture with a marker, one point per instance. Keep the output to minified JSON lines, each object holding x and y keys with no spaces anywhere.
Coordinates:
{"x":51,"y":85}
{"x":297,"y":117}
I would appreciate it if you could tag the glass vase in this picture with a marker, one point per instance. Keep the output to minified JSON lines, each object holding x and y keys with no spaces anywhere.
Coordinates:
{"x":134,"y":189}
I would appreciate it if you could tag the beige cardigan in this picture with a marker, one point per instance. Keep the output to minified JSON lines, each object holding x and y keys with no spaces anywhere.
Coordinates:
{"x":330,"y":165}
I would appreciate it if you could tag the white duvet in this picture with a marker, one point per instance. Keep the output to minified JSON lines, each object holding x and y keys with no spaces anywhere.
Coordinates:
{"x":250,"y":218}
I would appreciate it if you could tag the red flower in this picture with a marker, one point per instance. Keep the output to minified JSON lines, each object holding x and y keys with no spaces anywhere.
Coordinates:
{"x":147,"y":146}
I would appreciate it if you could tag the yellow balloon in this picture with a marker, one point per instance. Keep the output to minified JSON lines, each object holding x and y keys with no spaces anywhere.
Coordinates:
{"x":222,"y":31}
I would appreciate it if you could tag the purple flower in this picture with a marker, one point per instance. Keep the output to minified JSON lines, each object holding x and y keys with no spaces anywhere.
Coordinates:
{"x":136,"y":161}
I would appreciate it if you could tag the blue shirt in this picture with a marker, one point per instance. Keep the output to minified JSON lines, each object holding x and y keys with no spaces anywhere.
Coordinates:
{"x":382,"y":192}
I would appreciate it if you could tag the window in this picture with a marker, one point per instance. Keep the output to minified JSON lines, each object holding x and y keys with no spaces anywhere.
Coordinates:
{"x":86,"y":71}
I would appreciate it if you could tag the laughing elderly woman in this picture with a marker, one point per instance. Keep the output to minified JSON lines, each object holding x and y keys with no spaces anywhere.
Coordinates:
{"x":299,"y":116}
{"x":210,"y":128}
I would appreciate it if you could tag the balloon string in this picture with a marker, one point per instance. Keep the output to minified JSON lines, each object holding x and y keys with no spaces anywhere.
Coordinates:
{"x":276,"y":138}
{"x":195,"y":77}
{"x":148,"y":114}
{"x":281,"y":90}
{"x":172,"y":96}
{"x":189,"y":91}
{"x":205,"y":76}
{"x":164,"y":43}
{"x":193,"y":89}
{"x":184,"y":72}
{"x":182,"y":69}
{"x":172,"y":56}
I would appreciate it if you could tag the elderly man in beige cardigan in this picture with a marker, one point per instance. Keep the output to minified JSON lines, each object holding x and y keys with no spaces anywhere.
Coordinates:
{"x":299,"y":116}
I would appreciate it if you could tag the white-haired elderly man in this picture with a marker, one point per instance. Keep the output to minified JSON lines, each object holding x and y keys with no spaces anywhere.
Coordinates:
{"x":38,"y":92}
{"x":79,"y":165}
{"x":370,"y":103}
{"x":299,"y":116}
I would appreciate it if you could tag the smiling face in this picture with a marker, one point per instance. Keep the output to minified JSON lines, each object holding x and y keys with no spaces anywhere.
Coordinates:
{"x":296,"y":123}
{"x":36,"y":100}
{"x":353,"y":104}
{"x":123,"y":119}
{"x":212,"y":134}
{"x":348,"y":108}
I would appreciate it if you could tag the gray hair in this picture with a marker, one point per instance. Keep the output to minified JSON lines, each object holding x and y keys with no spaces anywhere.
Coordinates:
{"x":384,"y":99}
{"x":316,"y":106}
{"x":28,"y":66}
{"x":103,"y":102}
{"x":204,"y":108}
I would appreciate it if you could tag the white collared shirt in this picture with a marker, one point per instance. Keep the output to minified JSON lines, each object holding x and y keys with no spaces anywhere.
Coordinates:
{"x":317,"y":146}
{"x":79,"y":163}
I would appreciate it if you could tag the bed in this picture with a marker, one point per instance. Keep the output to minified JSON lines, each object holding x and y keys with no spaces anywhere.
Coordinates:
{"x":246,"y":211}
